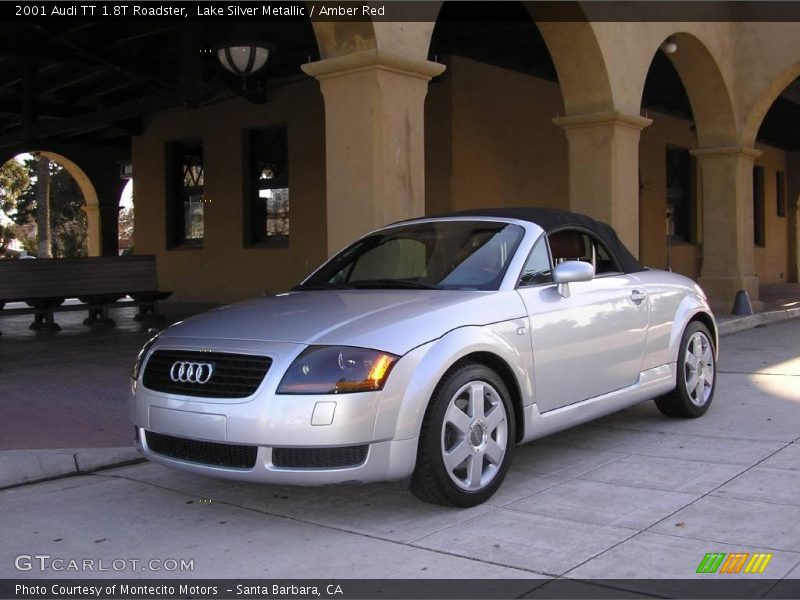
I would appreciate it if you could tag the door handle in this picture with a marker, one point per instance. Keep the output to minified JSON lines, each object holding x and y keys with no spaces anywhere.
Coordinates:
{"x":637,"y":297}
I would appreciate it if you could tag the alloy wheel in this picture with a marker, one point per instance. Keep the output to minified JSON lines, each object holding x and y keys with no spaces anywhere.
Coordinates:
{"x":474,"y":436}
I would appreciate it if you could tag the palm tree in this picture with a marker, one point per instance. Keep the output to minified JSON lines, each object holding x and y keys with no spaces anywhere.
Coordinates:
{"x":43,"y":206}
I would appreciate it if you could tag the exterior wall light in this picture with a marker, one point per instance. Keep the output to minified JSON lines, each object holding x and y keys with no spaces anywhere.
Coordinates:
{"x":670,"y":46}
{"x":243,"y":57}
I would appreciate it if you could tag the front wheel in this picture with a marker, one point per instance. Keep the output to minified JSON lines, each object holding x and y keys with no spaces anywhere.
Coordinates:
{"x":696,"y":379}
{"x":467,"y":439}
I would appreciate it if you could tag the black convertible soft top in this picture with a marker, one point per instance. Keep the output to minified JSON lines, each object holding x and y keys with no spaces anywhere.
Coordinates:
{"x":553,"y":219}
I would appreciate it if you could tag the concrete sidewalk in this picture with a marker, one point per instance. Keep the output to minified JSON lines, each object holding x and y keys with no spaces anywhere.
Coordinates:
{"x":77,"y":422}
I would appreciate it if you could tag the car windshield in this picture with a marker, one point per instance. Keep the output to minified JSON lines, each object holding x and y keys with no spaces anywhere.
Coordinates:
{"x":464,"y":255}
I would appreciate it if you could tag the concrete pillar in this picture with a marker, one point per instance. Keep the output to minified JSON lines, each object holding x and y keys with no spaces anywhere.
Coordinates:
{"x":93,"y":229}
{"x":374,"y":140}
{"x":726,"y":175}
{"x":109,"y":229}
{"x":603,"y":155}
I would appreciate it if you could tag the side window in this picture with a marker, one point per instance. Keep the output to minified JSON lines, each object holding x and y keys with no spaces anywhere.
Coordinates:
{"x":537,"y":268}
{"x":604,"y":260}
{"x":580,"y":245}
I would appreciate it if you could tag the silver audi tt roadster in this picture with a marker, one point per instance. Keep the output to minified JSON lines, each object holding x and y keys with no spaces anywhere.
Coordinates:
{"x":428,"y":348}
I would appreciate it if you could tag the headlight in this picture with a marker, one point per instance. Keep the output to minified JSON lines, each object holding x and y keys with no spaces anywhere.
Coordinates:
{"x":337,"y":370}
{"x":137,"y":366}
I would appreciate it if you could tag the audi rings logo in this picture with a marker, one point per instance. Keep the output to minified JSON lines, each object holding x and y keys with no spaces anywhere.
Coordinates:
{"x":191,"y":372}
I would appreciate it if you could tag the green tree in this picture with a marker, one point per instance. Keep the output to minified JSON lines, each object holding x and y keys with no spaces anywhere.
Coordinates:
{"x":14,"y":180}
{"x":67,"y":218}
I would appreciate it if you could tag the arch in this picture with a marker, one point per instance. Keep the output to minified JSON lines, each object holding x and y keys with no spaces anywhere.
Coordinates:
{"x":411,"y":39}
{"x":337,"y":38}
{"x":81,"y":178}
{"x":575,"y":51}
{"x":764,"y":101}
{"x":709,"y":94}
{"x":91,"y":199}
{"x":581,"y":67}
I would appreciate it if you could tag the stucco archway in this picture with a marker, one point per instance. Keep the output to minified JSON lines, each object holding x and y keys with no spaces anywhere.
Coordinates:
{"x":708,"y":92}
{"x":764,"y":101}
{"x":91,"y":200}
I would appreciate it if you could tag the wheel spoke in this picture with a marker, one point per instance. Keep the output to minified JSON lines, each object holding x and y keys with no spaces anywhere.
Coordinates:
{"x":691,"y":381}
{"x":457,"y":418}
{"x":495,"y":418}
{"x":494,"y":452}
{"x":697,"y":345}
{"x":455,"y":457}
{"x":476,"y":399}
{"x":700,"y":390}
{"x":474,"y":471}
{"x":691,"y":360}
{"x":708,"y":356}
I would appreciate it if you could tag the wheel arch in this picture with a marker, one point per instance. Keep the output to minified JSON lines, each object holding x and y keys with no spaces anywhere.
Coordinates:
{"x":707,"y":320}
{"x":692,"y":308}
{"x":497,"y":346}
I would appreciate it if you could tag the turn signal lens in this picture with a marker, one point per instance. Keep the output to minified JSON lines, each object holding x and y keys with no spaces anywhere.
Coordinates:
{"x":137,"y":366}
{"x":337,"y":370}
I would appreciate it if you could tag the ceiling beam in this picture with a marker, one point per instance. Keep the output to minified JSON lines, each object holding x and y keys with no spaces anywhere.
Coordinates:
{"x":93,"y":120}
{"x":59,"y":111}
{"x":29,"y":95}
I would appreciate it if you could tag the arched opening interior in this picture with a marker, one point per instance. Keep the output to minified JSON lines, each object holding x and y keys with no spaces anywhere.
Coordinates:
{"x":126,"y":221}
{"x":70,"y":192}
{"x":776,"y":190}
{"x":670,"y":223}
{"x":489,"y":135}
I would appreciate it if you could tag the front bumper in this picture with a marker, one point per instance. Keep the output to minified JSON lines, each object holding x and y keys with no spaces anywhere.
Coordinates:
{"x":266,"y":421}
{"x":384,"y":461}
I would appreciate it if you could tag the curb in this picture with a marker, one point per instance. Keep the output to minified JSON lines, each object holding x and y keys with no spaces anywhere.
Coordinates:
{"x":21,"y":467}
{"x":728,"y":325}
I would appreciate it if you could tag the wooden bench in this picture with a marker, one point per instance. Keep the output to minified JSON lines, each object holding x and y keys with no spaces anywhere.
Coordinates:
{"x":98,"y":282}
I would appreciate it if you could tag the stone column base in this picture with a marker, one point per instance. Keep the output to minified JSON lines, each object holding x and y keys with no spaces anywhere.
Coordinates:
{"x":721,"y":292}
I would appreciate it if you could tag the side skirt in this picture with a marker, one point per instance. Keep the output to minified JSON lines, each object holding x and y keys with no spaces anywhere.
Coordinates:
{"x":651,"y":383}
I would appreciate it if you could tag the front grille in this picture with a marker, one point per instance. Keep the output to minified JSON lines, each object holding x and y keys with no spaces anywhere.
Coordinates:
{"x":319,"y":458}
{"x":204,"y":453}
{"x":234,"y":375}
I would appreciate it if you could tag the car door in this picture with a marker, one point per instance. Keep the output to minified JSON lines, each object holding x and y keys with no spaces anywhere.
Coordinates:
{"x":591,"y":342}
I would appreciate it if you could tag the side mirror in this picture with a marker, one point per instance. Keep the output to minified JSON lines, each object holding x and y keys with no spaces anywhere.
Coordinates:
{"x":571,"y":271}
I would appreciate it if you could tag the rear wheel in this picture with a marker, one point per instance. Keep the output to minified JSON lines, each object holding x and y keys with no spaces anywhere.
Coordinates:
{"x":467,"y":439}
{"x":696,"y":379}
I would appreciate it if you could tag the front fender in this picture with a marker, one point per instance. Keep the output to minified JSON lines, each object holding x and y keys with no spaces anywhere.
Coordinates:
{"x":410,"y":386}
{"x":690,"y":307}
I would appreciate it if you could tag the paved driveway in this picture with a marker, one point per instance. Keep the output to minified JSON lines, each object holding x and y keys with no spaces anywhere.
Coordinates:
{"x":634,"y":495}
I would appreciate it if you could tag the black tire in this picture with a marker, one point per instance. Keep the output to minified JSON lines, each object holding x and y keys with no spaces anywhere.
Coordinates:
{"x":680,"y":402}
{"x":432,"y":481}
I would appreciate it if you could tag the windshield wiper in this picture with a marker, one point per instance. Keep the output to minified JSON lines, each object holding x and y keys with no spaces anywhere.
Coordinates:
{"x":393,"y":283}
{"x":321,"y":285}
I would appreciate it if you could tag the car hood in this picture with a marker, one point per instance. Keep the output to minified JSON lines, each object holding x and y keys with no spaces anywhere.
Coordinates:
{"x":391,"y":320}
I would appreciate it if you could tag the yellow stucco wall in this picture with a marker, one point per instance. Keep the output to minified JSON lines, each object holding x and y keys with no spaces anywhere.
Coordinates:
{"x":772,"y":261}
{"x":224,"y":270}
{"x":503,"y":150}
